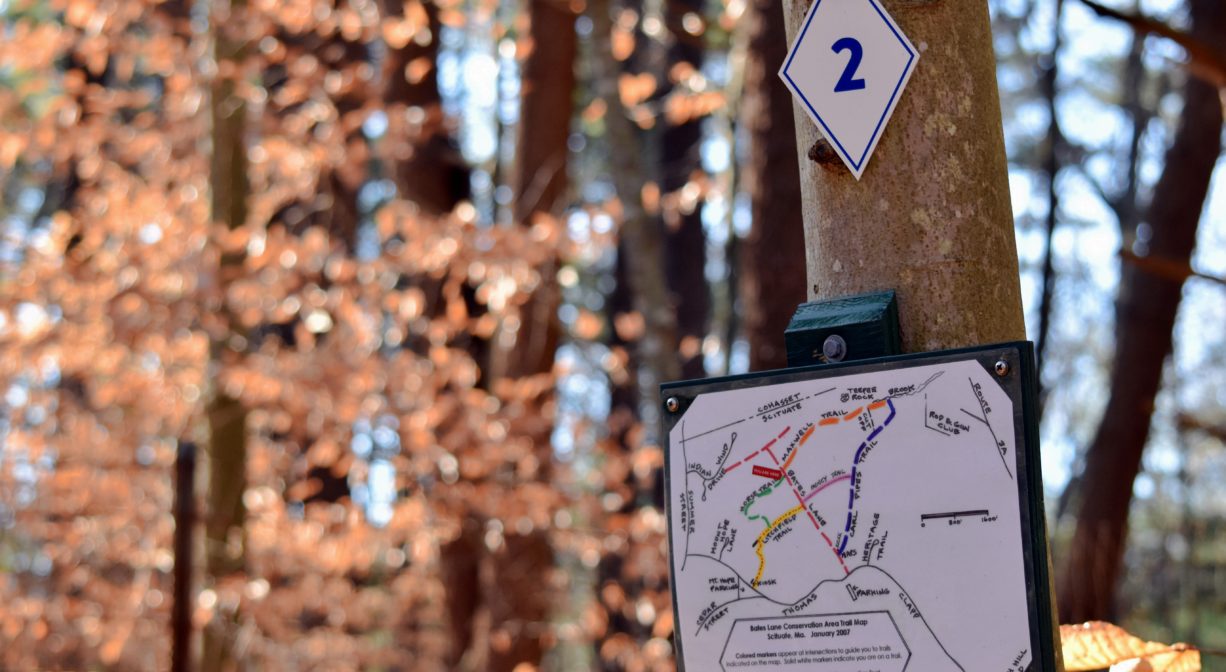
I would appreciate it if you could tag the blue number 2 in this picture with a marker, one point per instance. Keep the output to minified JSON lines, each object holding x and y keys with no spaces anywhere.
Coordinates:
{"x":848,"y":82}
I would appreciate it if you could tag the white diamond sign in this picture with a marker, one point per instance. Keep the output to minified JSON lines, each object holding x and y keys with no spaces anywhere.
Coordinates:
{"x":848,"y":67}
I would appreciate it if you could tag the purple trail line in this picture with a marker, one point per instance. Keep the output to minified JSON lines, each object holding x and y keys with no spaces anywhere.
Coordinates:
{"x":827,"y":484}
{"x":851,"y":497}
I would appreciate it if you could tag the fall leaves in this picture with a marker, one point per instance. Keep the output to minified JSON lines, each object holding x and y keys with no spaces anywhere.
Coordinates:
{"x":1097,"y":645}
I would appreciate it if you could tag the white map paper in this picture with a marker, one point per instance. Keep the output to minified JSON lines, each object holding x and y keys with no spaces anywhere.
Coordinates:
{"x":862,"y":523}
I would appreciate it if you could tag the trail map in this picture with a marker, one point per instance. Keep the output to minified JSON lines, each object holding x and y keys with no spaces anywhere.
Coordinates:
{"x":856,"y":523}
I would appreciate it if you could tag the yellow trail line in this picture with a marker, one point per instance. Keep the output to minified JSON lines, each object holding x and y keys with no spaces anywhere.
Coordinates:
{"x":762,"y":541}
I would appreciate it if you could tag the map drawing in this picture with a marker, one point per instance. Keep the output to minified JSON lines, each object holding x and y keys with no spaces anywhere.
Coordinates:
{"x":868,"y":522}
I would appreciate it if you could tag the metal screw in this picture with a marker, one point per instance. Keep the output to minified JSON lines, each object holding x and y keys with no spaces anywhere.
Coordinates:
{"x":673,"y":404}
{"x":1002,"y":368}
{"x":835,"y":348}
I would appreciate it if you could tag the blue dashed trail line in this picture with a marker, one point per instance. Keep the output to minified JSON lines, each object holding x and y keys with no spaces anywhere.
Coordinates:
{"x":851,"y":496}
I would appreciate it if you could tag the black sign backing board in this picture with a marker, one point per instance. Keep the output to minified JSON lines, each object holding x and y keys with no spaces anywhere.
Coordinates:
{"x":883,"y":514}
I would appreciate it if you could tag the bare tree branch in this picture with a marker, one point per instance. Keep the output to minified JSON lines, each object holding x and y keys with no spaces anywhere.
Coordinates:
{"x":1167,"y":268}
{"x":1188,"y":422}
{"x":1204,"y":60}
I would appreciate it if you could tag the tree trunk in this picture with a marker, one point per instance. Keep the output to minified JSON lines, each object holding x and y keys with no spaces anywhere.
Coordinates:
{"x":1051,"y":160}
{"x":549,"y":47}
{"x":548,"y":87}
{"x":429,"y":169}
{"x":685,"y":242}
{"x":773,"y":261}
{"x":225,"y":542}
{"x":1145,"y":318}
{"x":931,"y":219}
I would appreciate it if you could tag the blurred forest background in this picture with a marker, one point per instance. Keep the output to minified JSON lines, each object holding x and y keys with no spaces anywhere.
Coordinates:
{"x":404,"y":276}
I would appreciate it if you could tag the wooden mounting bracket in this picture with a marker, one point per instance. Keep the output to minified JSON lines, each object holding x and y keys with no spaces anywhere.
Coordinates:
{"x":844,"y":329}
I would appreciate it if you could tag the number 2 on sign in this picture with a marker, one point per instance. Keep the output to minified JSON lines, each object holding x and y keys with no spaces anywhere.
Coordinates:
{"x":848,"y":81}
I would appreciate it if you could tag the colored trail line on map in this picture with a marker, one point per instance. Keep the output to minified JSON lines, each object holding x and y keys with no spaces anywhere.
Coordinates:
{"x":825,"y":485}
{"x":796,"y":450}
{"x":762,"y":541}
{"x":851,"y":496}
{"x":755,"y":453}
{"x":838,"y":552}
{"x":745,"y":511}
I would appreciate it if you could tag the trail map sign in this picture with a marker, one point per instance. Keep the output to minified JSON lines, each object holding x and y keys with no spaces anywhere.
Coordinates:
{"x":848,"y":68}
{"x":872,"y":516}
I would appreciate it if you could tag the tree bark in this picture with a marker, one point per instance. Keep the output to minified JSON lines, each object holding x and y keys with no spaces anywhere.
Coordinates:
{"x":773,"y":261}
{"x":429,"y":169}
{"x":1051,"y":160}
{"x":548,"y":88}
{"x":931,"y":219}
{"x":225,"y":542}
{"x":1145,"y":318}
{"x":540,"y":177}
{"x":685,"y":242}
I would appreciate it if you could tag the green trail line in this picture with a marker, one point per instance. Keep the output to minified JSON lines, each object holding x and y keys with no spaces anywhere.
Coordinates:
{"x":767,"y":491}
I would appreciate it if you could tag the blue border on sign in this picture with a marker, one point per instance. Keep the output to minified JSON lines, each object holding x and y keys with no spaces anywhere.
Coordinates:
{"x":911,"y":59}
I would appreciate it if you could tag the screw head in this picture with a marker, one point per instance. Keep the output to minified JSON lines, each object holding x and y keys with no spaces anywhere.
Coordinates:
{"x":835,"y":348}
{"x":672,"y":404}
{"x":1002,"y":368}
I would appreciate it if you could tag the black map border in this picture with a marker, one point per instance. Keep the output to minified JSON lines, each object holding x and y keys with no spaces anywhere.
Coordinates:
{"x":1020,"y":384}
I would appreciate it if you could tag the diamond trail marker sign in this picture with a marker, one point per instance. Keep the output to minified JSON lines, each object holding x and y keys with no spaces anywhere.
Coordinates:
{"x":848,"y":67}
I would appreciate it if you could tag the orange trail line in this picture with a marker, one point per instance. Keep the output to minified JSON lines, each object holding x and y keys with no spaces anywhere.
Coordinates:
{"x":853,"y":415}
{"x":803,"y":438}
{"x":876,"y":405}
{"x":829,"y":421}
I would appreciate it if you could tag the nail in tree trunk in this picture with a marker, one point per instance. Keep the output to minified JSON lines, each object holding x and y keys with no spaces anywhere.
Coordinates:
{"x":1145,"y":319}
{"x":931,"y":218}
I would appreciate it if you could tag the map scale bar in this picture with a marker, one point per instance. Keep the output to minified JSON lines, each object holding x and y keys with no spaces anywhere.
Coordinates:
{"x":955,"y":514}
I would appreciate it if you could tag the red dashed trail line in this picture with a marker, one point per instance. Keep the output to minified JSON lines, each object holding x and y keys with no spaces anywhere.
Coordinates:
{"x":755,"y":453}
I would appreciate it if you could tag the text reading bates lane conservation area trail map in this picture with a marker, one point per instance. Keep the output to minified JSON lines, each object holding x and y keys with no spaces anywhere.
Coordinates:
{"x":853,"y":523}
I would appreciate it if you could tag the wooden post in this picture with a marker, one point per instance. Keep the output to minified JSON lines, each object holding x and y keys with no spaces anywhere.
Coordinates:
{"x":931,"y":218}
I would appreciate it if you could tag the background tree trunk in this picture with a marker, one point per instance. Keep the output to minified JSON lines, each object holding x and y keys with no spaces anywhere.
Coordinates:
{"x":1145,"y":318}
{"x":429,"y":169}
{"x":540,"y":177}
{"x":685,"y":242}
{"x":773,"y":261}
{"x":225,"y":515}
{"x":549,"y":47}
